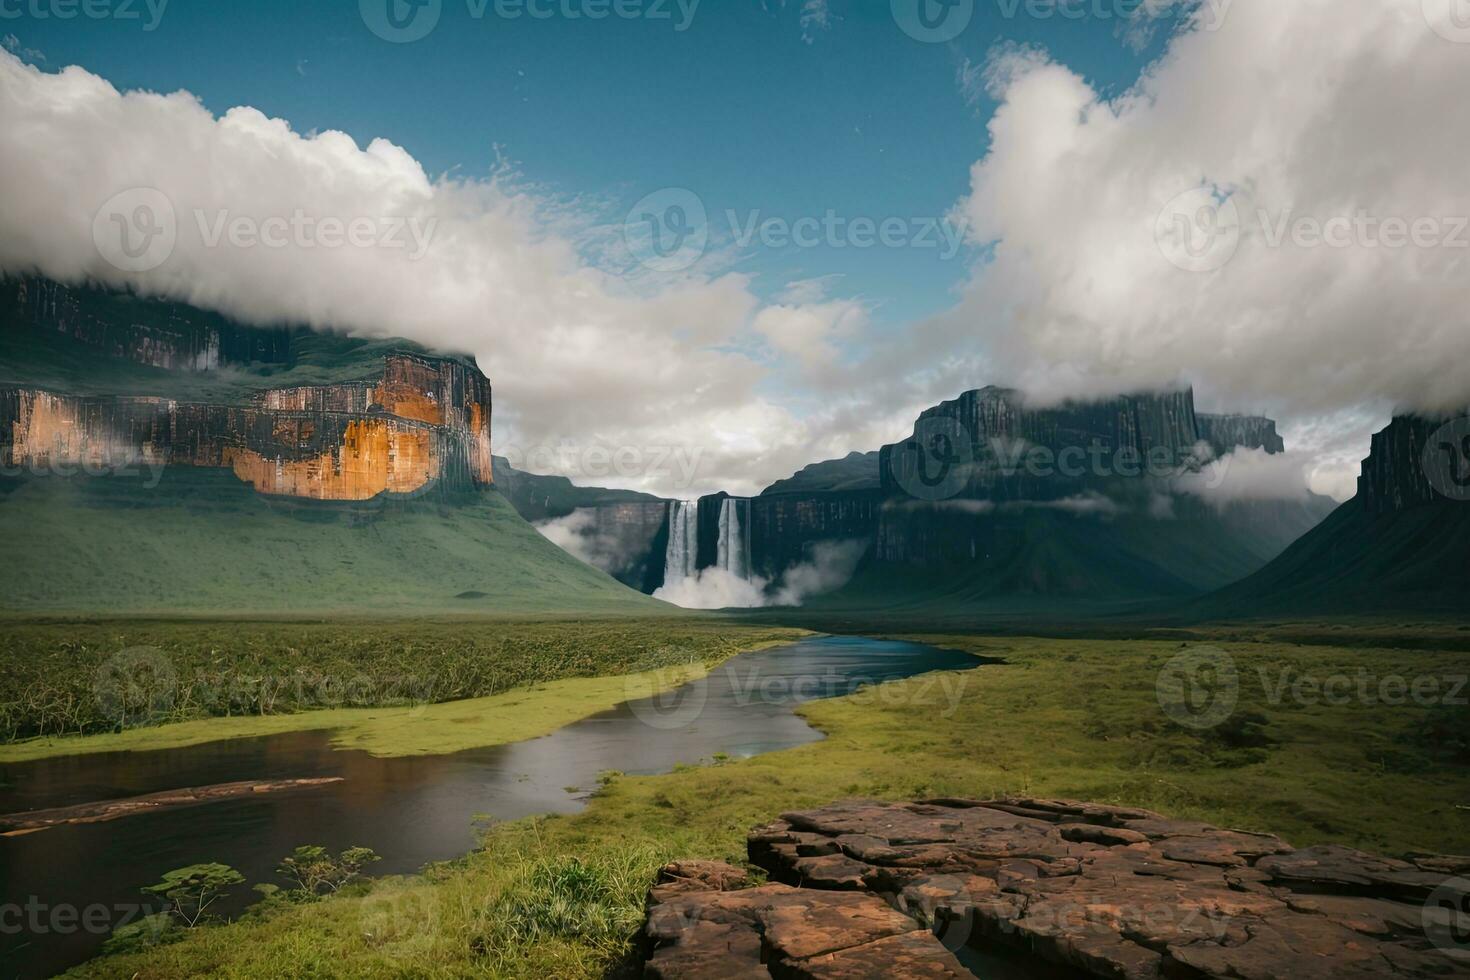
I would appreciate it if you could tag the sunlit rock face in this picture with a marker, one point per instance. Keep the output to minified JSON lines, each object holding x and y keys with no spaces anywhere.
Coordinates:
{"x":414,"y":423}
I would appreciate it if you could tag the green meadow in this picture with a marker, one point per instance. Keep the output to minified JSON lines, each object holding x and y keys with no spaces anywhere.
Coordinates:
{"x":563,"y":896}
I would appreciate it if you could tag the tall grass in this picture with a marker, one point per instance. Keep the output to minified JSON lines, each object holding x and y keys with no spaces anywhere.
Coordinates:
{"x":91,"y":678}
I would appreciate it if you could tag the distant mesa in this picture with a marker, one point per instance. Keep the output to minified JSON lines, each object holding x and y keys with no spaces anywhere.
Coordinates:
{"x":392,"y":422}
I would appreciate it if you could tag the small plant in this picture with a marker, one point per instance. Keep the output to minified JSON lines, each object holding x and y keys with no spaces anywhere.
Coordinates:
{"x":145,"y":933}
{"x":191,"y":891}
{"x":315,"y":871}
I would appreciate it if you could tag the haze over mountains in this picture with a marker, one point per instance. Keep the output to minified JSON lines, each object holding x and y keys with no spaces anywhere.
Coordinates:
{"x":312,"y":472}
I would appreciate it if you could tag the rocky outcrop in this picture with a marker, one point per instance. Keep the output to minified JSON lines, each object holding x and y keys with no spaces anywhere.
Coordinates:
{"x":706,"y":922}
{"x":1092,"y":890}
{"x":1226,"y":433}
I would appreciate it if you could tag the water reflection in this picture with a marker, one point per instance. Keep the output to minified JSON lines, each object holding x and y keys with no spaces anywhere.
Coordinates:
{"x":411,"y":811}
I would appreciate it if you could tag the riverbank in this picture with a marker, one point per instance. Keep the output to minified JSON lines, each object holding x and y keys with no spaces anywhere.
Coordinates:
{"x":1081,"y":719}
{"x":390,"y":689}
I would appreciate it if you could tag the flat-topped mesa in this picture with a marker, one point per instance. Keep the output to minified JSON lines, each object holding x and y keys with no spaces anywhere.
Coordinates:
{"x":1414,"y":462}
{"x":1138,"y":427}
{"x":1226,"y":433}
{"x":408,"y":423}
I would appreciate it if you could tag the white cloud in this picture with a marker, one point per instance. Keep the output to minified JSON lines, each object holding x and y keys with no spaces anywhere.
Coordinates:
{"x":579,"y":536}
{"x":830,"y":566}
{"x":575,"y":352}
{"x":816,"y":16}
{"x":1299,"y":108}
{"x":1249,"y":474}
{"x":714,"y":588}
{"x":811,"y":332}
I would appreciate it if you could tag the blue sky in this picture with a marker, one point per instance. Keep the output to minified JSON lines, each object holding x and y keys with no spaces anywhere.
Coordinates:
{"x":756,"y":107}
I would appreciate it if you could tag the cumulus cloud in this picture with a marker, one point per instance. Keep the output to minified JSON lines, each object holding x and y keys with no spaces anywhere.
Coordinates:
{"x":1284,"y":114}
{"x":486,"y":266}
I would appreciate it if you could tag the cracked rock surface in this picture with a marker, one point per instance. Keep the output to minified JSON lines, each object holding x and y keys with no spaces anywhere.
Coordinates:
{"x":871,"y":889}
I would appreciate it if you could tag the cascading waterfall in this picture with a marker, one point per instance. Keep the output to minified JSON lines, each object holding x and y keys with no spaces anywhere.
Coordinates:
{"x":682,"y":557}
{"x":733,"y":552}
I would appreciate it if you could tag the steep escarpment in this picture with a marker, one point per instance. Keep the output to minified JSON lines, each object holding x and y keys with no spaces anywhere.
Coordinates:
{"x":1226,"y":433}
{"x":413,"y":423}
{"x":993,"y":499}
{"x":1399,"y":545}
{"x":990,"y":499}
{"x":158,"y":458}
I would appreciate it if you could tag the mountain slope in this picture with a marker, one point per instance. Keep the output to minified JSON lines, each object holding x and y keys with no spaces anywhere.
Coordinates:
{"x":1399,"y":545}
{"x":203,"y":543}
{"x":157,"y":459}
{"x":1361,"y":562}
{"x":855,"y":471}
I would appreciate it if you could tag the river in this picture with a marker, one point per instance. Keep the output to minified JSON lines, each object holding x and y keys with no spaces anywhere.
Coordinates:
{"x":410,"y":810}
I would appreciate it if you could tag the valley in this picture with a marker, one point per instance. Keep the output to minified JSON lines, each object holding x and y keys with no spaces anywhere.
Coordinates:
{"x":1055,"y":718}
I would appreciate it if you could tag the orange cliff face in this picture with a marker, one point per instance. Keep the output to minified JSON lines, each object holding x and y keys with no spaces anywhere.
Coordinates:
{"x":424,"y":425}
{"x":376,"y":456}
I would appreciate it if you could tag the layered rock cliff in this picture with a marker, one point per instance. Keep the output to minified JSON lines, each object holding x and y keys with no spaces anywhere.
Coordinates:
{"x":412,"y":423}
{"x":152,"y":333}
{"x":1225,"y":433}
{"x":1004,"y":447}
{"x":1415,"y":462}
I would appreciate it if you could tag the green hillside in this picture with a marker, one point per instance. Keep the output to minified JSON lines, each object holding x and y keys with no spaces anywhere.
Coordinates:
{"x":1360,"y":562}
{"x":202,"y":543}
{"x":1080,"y":563}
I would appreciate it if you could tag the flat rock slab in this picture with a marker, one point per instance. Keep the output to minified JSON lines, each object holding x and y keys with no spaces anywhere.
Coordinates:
{"x":872,"y":889}
{"x":702,"y":924}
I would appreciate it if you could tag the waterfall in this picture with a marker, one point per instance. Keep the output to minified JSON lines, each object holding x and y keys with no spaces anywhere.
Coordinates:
{"x":683,"y":552}
{"x":733,"y":553}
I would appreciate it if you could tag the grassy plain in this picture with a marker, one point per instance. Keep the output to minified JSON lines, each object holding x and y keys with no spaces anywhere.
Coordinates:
{"x":562,"y":896}
{"x":431,"y":686}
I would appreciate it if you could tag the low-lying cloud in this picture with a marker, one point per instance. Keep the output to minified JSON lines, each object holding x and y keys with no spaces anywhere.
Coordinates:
{"x":830,"y":566}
